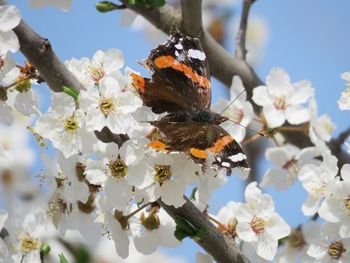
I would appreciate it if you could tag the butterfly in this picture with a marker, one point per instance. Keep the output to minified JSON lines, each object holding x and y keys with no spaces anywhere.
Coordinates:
{"x":180,"y":86}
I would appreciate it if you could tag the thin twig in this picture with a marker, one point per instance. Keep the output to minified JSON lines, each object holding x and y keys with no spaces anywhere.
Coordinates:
{"x":241,"y":49}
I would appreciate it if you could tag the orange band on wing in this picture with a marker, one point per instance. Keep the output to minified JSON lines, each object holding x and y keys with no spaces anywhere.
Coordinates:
{"x":220,"y":144}
{"x":138,"y":82}
{"x":201,"y":154}
{"x":170,"y":62}
{"x":159,"y":146}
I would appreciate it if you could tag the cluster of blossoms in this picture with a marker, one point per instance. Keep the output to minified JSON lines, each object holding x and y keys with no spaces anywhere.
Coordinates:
{"x":104,"y":180}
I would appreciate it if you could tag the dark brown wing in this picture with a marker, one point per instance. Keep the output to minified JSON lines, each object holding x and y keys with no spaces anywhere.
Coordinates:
{"x":200,"y":140}
{"x":180,"y":76}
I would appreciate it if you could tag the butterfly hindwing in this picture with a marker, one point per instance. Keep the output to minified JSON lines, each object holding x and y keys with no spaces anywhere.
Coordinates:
{"x":202,"y":139}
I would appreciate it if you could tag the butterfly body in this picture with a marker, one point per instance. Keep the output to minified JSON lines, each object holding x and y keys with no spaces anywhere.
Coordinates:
{"x":180,"y":85}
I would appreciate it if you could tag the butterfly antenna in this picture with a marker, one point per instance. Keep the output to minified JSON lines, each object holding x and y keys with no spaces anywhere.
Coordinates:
{"x":232,"y":101}
{"x":261,"y":134}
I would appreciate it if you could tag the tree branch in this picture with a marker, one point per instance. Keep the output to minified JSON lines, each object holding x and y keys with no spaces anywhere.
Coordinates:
{"x":241,"y":50}
{"x":39,"y":52}
{"x":222,"y":248}
{"x":191,"y":11}
{"x":222,"y":64}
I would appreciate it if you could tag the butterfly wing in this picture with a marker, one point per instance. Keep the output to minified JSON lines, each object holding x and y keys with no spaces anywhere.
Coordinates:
{"x":202,"y":139}
{"x":180,"y":76}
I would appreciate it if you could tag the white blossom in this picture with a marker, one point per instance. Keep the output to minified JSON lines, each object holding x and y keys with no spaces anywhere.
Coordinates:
{"x":328,"y":246}
{"x":109,"y":106}
{"x":336,"y":206}
{"x":63,"y":124}
{"x":288,"y":161}
{"x":259,"y":224}
{"x":320,"y":128}
{"x":344,"y":100}
{"x":314,"y":179}
{"x":281,"y":100}
{"x":9,"y":19}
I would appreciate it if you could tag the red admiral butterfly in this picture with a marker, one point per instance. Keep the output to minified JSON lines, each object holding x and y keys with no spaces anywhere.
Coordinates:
{"x":180,"y":86}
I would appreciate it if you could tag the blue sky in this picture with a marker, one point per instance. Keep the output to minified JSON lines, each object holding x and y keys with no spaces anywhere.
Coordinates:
{"x":308,"y":38}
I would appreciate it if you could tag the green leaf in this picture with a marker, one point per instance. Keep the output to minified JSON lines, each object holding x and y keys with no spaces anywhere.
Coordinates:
{"x":71,"y":92}
{"x":156,"y":3}
{"x":180,"y":234}
{"x":185,"y":225}
{"x":201,"y":232}
{"x":193,"y":193}
{"x":107,"y":6}
{"x":62,"y":258}
{"x":147,"y":3}
{"x":184,"y":229}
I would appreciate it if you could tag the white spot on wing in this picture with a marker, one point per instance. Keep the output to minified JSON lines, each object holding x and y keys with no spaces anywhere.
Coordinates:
{"x":237,"y":157}
{"x":197,"y":54}
{"x":176,"y":53}
{"x":180,"y":57}
{"x":225,"y":164}
{"x":179,"y":46}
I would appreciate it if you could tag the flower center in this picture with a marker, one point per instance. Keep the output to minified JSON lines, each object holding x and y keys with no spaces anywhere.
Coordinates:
{"x":27,"y":243}
{"x":231,"y":227}
{"x":163,"y":173}
{"x":151,"y":221}
{"x":97,"y":74}
{"x":347,"y":203}
{"x":23,"y":84}
{"x":71,"y":124}
{"x":336,"y":249}
{"x":118,"y":168}
{"x":291,"y":166}
{"x":296,"y":239}
{"x":327,"y":125}
{"x":106,"y":106}
{"x":318,"y":190}
{"x":280,"y":103}
{"x":258,"y":225}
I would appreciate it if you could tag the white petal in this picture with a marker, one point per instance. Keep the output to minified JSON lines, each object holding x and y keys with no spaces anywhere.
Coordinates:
{"x":278,"y":155}
{"x":27,"y":103}
{"x":310,"y":206}
{"x":266,"y":247}
{"x":274,"y":117}
{"x":302,"y":92}
{"x":345,"y":172}
{"x":147,"y":242}
{"x":277,"y":80}
{"x":109,"y":87}
{"x":6,"y":116}
{"x":8,"y":42}
{"x":9,"y":17}
{"x":245,"y":232}
{"x":118,"y":192}
{"x":296,"y":114}
{"x":261,"y":96}
{"x":112,"y":60}
{"x":119,"y":236}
